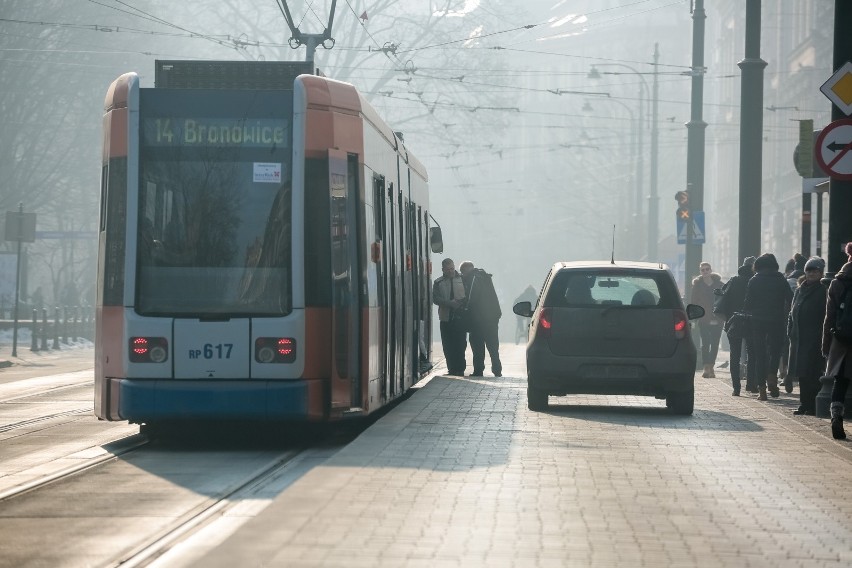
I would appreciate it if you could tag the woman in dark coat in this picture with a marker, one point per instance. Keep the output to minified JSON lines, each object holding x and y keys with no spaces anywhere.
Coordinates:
{"x":767,"y":299}
{"x":804,"y":328}
{"x":837,"y":352}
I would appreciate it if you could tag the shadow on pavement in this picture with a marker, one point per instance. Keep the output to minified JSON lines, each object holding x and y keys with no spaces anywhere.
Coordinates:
{"x":655,"y":417}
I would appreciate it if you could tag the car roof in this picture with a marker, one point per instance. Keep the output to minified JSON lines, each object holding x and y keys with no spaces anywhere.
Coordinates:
{"x":610,"y":265}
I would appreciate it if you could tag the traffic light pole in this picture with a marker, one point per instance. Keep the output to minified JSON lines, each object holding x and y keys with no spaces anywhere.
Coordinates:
{"x":695,"y":142}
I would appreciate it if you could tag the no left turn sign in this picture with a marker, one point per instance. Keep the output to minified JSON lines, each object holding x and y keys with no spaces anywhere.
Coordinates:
{"x":833,"y":149}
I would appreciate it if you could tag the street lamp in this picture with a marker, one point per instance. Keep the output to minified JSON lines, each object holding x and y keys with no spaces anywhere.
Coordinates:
{"x":653,"y":208}
{"x":635,"y":159}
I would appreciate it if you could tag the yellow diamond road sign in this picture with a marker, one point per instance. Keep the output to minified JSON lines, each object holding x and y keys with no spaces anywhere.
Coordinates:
{"x":838,"y":88}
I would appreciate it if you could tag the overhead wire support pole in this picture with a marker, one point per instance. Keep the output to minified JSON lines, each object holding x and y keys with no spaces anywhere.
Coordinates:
{"x":751,"y":136}
{"x":840,"y":192}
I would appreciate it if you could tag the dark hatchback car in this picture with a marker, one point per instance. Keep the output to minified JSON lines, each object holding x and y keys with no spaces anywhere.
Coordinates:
{"x":610,"y":328}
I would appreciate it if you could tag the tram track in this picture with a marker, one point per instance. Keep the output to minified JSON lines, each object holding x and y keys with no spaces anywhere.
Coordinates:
{"x":48,"y":391}
{"x":119,"y":449}
{"x":39,"y":419}
{"x":201,"y":515}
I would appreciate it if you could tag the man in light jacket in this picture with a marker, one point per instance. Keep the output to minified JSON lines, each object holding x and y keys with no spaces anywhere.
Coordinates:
{"x":449,"y":295}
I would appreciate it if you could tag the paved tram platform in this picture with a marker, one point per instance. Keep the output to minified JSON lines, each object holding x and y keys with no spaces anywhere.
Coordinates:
{"x":463,"y":474}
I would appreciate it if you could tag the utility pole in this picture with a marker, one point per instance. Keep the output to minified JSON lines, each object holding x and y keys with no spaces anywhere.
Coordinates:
{"x":751,"y":136}
{"x":840,"y":191}
{"x":695,"y":141}
{"x":653,"y":199}
{"x":310,"y":41}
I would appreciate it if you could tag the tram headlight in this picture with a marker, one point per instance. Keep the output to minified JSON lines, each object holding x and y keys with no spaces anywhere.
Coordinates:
{"x":149,"y":349}
{"x":275,"y":350}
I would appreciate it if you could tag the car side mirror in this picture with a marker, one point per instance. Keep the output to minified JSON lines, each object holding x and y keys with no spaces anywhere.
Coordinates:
{"x":436,"y":240}
{"x":694,"y":311}
{"x":523,"y":309}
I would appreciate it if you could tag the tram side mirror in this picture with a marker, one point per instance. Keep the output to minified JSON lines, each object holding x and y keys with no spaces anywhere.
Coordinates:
{"x":436,"y":241}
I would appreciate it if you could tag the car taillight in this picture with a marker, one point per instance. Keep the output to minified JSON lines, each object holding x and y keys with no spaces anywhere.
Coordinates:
{"x":544,"y":319}
{"x":148,"y":349}
{"x":681,"y":324}
{"x":275,"y":350}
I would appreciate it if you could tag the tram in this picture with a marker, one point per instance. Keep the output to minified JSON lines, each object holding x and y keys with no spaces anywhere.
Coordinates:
{"x":264,"y":249}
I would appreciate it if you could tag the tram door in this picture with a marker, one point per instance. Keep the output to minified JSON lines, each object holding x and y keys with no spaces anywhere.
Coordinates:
{"x":382,"y":284}
{"x":393,"y":288}
{"x":345,"y":276}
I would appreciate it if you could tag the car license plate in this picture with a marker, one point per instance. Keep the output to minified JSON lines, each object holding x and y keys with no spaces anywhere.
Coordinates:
{"x":613,"y":372}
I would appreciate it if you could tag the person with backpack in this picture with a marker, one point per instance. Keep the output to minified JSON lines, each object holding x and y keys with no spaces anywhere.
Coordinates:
{"x":837,"y":341}
{"x":804,"y":328}
{"x":732,"y":298}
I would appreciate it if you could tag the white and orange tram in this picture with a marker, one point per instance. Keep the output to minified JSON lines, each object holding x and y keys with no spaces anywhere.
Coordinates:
{"x":263,"y":252}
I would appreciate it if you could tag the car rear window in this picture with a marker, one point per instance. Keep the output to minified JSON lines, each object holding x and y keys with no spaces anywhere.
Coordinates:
{"x":589,"y":288}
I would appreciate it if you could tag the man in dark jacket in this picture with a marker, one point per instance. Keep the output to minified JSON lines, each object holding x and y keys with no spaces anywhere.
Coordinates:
{"x":804,"y":328}
{"x":734,"y":292}
{"x":768,"y":298}
{"x":484,"y":312}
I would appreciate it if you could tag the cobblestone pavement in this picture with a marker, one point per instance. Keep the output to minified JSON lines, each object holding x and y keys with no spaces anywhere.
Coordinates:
{"x":463,"y":474}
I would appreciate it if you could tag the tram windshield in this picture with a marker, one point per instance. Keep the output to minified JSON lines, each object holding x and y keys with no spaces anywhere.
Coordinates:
{"x":214,"y":209}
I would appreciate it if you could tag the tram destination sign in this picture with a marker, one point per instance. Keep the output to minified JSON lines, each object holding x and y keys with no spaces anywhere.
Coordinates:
{"x":217,"y":132}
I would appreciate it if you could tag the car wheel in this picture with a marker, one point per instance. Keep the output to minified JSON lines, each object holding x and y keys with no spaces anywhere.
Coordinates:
{"x":536,"y":399}
{"x":681,"y":402}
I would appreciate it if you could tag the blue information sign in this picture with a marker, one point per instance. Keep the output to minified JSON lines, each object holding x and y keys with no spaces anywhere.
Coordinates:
{"x":698,"y":236}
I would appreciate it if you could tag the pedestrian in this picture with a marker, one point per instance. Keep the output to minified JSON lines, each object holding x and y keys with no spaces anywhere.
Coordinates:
{"x":833,"y":349}
{"x":710,"y":324}
{"x":733,"y":298}
{"x":484,"y":318}
{"x":767,"y":300}
{"x":528,"y":295}
{"x":794,"y":270}
{"x":37,"y":299}
{"x":804,"y":328}
{"x":448,"y":294}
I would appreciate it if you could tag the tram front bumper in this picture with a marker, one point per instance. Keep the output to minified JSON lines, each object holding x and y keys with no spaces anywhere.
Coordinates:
{"x":147,"y":401}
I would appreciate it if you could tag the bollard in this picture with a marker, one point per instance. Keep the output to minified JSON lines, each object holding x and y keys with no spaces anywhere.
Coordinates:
{"x":34,"y":332}
{"x":43,"y":345}
{"x":823,"y":399}
{"x":87,"y":327}
{"x":55,"y":327}
{"x":75,"y":319}
{"x":65,"y":325}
